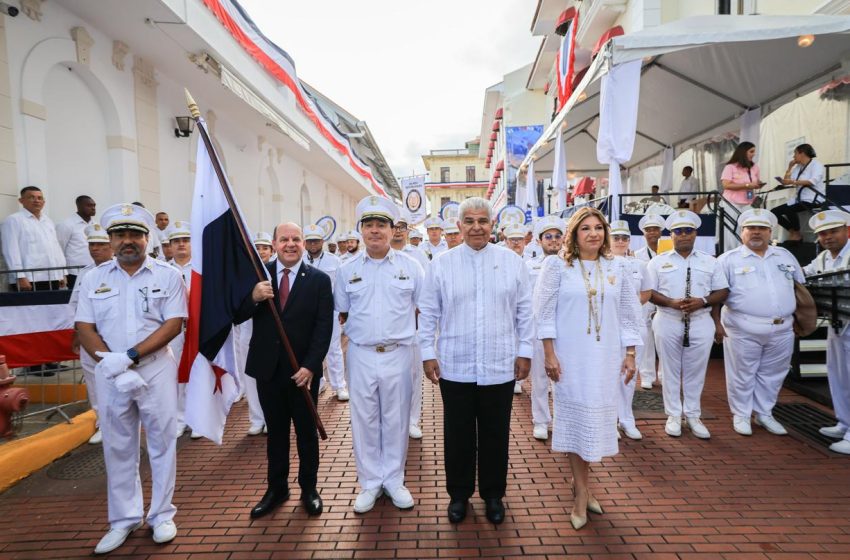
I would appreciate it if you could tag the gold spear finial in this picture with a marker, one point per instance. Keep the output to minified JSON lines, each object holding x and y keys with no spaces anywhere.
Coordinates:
{"x":193,"y":107}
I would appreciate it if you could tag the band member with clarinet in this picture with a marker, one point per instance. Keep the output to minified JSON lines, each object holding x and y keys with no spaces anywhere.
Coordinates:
{"x":685,"y":283}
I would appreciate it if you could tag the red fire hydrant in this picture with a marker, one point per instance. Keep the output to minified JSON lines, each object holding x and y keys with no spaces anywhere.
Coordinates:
{"x":11,"y":399}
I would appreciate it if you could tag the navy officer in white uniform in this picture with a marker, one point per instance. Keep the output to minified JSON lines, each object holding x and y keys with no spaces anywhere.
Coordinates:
{"x":129,"y":309}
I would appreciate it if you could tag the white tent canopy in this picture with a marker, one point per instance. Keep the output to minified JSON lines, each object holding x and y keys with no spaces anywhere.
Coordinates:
{"x":698,"y":76}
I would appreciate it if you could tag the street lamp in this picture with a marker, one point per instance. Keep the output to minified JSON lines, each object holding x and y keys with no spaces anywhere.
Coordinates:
{"x":549,"y":190}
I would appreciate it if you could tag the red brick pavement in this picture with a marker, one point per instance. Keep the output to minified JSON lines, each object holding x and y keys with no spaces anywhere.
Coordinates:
{"x":731,"y":497}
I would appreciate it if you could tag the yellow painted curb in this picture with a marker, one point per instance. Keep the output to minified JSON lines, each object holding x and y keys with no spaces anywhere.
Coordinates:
{"x":19,"y":459}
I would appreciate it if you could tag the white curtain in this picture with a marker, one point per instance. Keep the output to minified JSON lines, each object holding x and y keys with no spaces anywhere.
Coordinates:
{"x":750,"y":123}
{"x":559,"y":171}
{"x":531,"y":189}
{"x":617,"y":124}
{"x":667,"y":171}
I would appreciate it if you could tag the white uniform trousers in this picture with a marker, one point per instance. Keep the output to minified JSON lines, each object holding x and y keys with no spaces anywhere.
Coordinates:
{"x":626,"y":395}
{"x":334,"y":361}
{"x":380,"y":386}
{"x":541,"y":414}
{"x":121,"y":415}
{"x":176,"y":345}
{"x":646,"y":363}
{"x":87,"y":364}
{"x":838,"y":373}
{"x":756,"y":356}
{"x":416,"y":374}
{"x":243,"y":333}
{"x":684,"y":368}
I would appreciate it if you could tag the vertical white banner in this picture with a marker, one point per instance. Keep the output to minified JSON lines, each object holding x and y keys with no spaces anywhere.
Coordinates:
{"x":413,"y":199}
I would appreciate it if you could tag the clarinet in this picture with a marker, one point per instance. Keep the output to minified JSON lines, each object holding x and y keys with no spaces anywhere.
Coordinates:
{"x":686,"y":338}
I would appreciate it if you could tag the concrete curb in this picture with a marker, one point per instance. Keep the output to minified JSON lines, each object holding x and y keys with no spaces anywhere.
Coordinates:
{"x":21,"y":458}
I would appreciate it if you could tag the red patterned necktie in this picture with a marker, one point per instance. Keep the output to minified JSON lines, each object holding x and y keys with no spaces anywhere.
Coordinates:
{"x":283,"y":291}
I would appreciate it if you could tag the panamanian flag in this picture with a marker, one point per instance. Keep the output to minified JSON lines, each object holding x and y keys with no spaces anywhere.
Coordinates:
{"x":223,"y":274}
{"x":566,"y":63}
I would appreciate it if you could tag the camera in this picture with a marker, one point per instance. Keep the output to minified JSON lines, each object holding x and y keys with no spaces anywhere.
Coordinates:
{"x":10,"y":11}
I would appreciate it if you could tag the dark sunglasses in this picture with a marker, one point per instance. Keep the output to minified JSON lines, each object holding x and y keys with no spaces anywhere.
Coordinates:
{"x":551,"y":236}
{"x":683,"y":230}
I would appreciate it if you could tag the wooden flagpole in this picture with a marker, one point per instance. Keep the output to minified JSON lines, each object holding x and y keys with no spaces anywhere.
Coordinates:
{"x":258,"y":267}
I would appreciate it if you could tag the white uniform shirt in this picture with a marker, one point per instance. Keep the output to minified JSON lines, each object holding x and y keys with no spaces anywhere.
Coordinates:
{"x":761,"y":286}
{"x":127,"y":309}
{"x":689,"y":184}
{"x":326,"y":262}
{"x":417,"y":255}
{"x":532,"y":250}
{"x":667,"y":275}
{"x":380,"y":298}
{"x":645,"y":254}
{"x":72,"y":239}
{"x":30,"y":242}
{"x":348,"y":256}
{"x":813,"y":172}
{"x":433,"y":251}
{"x":824,"y":261}
{"x":185,"y":271}
{"x":480,"y":301}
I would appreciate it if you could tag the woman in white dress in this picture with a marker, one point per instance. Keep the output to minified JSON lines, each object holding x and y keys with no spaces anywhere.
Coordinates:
{"x":588,"y":318}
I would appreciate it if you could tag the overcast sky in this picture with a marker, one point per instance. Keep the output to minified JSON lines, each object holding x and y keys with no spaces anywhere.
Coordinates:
{"x":414,"y":70}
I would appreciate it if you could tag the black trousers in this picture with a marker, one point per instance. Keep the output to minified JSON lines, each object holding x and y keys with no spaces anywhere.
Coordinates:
{"x":477,"y":420}
{"x":282,"y":402}
{"x":788,"y":214}
{"x":72,"y":280}
{"x":40,"y":286}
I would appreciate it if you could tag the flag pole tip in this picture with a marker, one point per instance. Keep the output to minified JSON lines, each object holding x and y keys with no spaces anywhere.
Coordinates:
{"x":193,"y":107}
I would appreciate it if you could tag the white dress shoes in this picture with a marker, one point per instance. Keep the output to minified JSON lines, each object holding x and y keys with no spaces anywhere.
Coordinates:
{"x":842,"y":446}
{"x":97,"y":437}
{"x":646,"y":384}
{"x":770,"y":424}
{"x":255,"y":430}
{"x":401,"y":497}
{"x":414,"y":431}
{"x":698,"y":428}
{"x":342,"y":395}
{"x":673,"y":426}
{"x":631,"y":432}
{"x":115,"y":538}
{"x":366,"y":500}
{"x":517,"y":388}
{"x":164,"y":532}
{"x":541,"y":432}
{"x":195,"y":435}
{"x":836,"y":431}
{"x":742,"y":425}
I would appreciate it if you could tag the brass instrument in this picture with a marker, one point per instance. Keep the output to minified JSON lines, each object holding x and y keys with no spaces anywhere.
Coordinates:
{"x":686,"y":338}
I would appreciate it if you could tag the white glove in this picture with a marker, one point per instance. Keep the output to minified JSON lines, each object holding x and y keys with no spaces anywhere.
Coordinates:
{"x":113,"y":363}
{"x":129,"y":381}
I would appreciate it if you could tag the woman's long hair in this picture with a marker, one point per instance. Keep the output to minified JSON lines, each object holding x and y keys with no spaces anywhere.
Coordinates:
{"x":570,"y":252}
{"x":739,"y":156}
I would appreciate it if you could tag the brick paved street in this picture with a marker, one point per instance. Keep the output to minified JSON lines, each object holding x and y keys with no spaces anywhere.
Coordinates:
{"x":730,"y":497}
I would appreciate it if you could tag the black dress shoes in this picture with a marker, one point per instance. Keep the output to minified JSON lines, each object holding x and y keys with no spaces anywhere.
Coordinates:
{"x":457,"y":511}
{"x":272,"y":498}
{"x":312,"y":502}
{"x":495,"y":510}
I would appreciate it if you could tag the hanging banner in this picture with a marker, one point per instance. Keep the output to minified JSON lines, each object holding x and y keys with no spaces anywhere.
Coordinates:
{"x":512,"y":214}
{"x":328,"y":225}
{"x":450,"y":211}
{"x":413,"y":199}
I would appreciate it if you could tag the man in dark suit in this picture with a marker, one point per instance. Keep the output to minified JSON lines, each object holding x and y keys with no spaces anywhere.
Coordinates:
{"x":304,"y":297}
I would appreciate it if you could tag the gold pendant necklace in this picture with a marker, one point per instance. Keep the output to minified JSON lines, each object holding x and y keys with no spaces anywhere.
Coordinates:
{"x":593,"y":310}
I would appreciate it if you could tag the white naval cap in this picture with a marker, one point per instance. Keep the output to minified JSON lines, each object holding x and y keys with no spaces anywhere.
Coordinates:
{"x":450,"y":226}
{"x":127,"y":216}
{"x":96,"y":234}
{"x":313,"y":232}
{"x":402,"y":219}
{"x":162,"y":234}
{"x":263,"y":238}
{"x":651,"y":220}
{"x":546,"y":223}
{"x":682,"y":218}
{"x":377,"y":207}
{"x":415,"y":233}
{"x":178,"y":230}
{"x":828,"y":219}
{"x":514,"y":230}
{"x":757,"y":217}
{"x":354,"y":236}
{"x":620,"y":227}
{"x":433,"y":223}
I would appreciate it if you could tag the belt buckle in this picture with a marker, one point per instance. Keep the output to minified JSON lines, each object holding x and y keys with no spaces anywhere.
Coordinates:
{"x":778,"y":321}
{"x":380,"y":348}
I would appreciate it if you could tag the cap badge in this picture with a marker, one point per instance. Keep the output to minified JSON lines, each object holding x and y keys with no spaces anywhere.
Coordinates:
{"x":822,"y":216}
{"x":126,"y":210}
{"x":373,"y":200}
